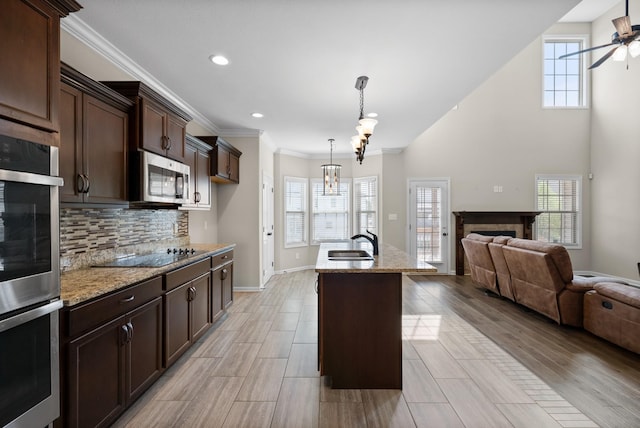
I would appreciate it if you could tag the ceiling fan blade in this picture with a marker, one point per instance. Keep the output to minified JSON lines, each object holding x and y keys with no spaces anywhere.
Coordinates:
{"x":585,"y":50}
{"x":603,"y":59}
{"x":623,"y":26}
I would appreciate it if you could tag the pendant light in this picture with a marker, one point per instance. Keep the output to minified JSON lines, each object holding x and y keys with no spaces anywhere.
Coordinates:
{"x":331,"y":175}
{"x":365,"y":124}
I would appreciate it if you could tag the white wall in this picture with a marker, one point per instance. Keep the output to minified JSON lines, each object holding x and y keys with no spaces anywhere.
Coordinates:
{"x":501,"y":135}
{"x":615,"y":156}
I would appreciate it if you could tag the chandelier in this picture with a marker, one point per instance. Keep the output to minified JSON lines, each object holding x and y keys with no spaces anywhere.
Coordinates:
{"x":331,"y":174}
{"x":365,"y":124}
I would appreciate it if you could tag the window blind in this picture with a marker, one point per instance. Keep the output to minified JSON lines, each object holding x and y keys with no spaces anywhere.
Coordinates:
{"x":329,"y":214}
{"x":295,"y":199}
{"x":365,"y":204}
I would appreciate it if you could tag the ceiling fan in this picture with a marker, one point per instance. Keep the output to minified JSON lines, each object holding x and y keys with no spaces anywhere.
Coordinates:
{"x":624,"y":39}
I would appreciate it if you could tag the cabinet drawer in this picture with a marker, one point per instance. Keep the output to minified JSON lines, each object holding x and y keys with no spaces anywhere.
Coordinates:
{"x":186,"y":273}
{"x":222,"y":258}
{"x":90,"y":314}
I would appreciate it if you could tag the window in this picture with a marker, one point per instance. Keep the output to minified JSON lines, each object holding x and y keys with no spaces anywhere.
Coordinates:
{"x":365,"y":205}
{"x":330,"y":214}
{"x":295,"y":212}
{"x":558,"y":197}
{"x":564,"y":79}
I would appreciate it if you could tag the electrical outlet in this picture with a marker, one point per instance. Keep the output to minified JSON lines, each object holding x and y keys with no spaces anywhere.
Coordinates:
{"x":297,"y":256}
{"x":175,"y":228}
{"x":205,"y":225}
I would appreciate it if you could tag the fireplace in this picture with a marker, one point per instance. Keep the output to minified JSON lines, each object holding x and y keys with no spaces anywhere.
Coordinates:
{"x":510,"y":223}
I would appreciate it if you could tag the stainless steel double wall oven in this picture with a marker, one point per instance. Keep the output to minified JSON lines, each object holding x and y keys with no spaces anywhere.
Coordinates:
{"x":29,"y":283}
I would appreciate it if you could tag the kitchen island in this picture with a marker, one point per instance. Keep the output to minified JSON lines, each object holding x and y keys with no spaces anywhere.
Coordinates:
{"x":360,"y":316}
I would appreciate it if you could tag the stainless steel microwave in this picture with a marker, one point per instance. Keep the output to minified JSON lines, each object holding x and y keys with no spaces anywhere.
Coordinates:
{"x":160,"y":180}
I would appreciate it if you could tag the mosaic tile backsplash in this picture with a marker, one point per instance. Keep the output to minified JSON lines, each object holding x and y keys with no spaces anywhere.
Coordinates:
{"x":90,"y":236}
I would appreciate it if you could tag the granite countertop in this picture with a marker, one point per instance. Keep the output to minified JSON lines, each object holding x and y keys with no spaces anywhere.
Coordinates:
{"x":390,"y":260}
{"x":80,"y":285}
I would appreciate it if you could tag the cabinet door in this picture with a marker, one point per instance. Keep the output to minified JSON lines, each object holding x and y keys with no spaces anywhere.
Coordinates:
{"x":234,"y":168}
{"x":96,"y":376}
{"x":216,"y":293}
{"x":202,"y":179}
{"x":223,"y":162}
{"x":227,"y":285}
{"x":200,"y":306}
{"x":30,"y":63}
{"x":153,"y":124}
{"x":144,"y":351}
{"x":176,"y":134}
{"x":176,"y":323}
{"x":70,"y":149}
{"x":190,"y":158}
{"x":105,"y":151}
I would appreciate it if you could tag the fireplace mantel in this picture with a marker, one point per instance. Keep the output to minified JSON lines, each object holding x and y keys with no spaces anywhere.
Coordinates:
{"x":525,"y":218}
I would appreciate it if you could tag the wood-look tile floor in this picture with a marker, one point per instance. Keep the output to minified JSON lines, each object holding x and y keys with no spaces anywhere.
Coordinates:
{"x":469,"y":360}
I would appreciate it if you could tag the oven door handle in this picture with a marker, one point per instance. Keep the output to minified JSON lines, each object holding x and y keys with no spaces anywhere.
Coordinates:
{"x":30,"y":178}
{"x":29,"y":315}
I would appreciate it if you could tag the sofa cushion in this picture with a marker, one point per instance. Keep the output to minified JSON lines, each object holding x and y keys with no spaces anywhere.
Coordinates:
{"x":502,"y":270}
{"x":622,"y":293}
{"x":557,"y":253}
{"x":502,"y":240}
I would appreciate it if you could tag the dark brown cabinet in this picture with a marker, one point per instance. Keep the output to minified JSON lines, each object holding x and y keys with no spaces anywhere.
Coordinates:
{"x":93,"y":141}
{"x":221,"y":283}
{"x":225,"y":160}
{"x":30,"y":61}
{"x":198,"y":159}
{"x":156,"y":124}
{"x":187,"y":308}
{"x":110,"y":361}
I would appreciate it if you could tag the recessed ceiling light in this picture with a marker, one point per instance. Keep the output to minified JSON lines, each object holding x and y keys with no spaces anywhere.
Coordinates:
{"x":372,"y":115}
{"x":219,"y":60}
{"x":257,"y":115}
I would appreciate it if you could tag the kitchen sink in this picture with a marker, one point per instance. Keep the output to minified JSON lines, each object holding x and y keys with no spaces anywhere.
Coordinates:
{"x":349,"y":255}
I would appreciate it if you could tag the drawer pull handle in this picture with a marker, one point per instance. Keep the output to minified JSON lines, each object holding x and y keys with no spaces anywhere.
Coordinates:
{"x":127,"y":299}
{"x":225,"y":257}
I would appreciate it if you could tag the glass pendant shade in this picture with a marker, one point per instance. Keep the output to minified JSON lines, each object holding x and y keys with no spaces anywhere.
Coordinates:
{"x":620,"y":54}
{"x":634,"y":48}
{"x":367,"y":124}
{"x":356,"y":142}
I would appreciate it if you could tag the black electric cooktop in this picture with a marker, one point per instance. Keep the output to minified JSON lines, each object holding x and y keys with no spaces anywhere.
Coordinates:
{"x":172,"y":255}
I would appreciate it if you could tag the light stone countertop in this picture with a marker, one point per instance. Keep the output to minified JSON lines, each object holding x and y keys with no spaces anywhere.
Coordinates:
{"x":80,"y":285}
{"x":390,"y":260}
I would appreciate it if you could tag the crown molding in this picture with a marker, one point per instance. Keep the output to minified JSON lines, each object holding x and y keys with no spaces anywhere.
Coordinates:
{"x":293,"y":153}
{"x":240,"y":133}
{"x":87,"y":35}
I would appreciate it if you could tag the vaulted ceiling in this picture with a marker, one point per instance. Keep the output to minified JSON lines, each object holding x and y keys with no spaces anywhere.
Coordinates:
{"x":297,"y":61}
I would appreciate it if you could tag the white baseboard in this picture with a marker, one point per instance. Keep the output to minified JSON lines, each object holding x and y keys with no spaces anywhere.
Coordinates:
{"x":295,"y":269}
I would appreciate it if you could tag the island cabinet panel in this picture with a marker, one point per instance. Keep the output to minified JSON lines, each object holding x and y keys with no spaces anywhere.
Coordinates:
{"x":111,"y":352}
{"x":360,"y":318}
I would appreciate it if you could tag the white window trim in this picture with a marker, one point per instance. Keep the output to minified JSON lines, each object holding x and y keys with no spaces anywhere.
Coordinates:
{"x":353,"y":197}
{"x":586,"y":62}
{"x":343,"y":180}
{"x":579,"y":197}
{"x":305,"y":225}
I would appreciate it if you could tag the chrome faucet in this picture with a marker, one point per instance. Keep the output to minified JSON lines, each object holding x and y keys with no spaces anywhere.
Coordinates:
{"x":374,"y":240}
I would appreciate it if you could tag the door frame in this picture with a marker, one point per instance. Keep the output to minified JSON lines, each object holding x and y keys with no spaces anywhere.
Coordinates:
{"x":268,"y":244}
{"x":446,"y":215}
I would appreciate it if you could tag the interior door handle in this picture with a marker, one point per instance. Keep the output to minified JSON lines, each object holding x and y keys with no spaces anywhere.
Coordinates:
{"x":269,"y":234}
{"x":445,"y":234}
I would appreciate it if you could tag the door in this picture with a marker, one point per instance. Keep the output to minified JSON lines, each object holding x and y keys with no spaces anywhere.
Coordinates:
{"x":267,"y":229}
{"x":429,"y":222}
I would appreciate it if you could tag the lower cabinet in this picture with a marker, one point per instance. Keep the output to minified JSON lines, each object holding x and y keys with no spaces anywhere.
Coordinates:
{"x":221,"y":283}
{"x":187,"y":308}
{"x":111,"y":365}
{"x":187,"y":316}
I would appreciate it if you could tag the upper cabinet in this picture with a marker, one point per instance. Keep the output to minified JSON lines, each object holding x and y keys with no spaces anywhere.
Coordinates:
{"x":225,"y":160}
{"x":30,"y":62}
{"x":94,"y":127}
{"x":157,"y":125}
{"x":199,"y":160}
